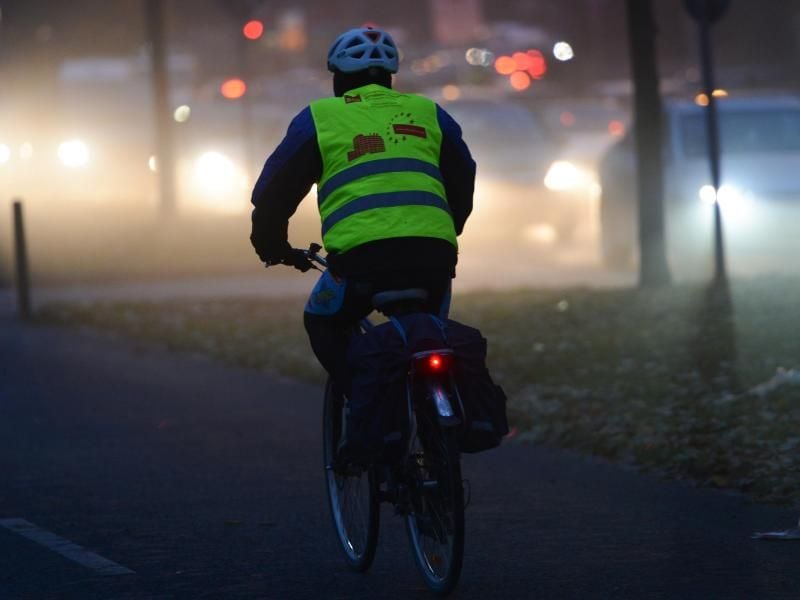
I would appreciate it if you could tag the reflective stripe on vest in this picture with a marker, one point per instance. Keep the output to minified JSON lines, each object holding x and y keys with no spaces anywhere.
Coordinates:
{"x":380,"y":168}
{"x":384,"y":165}
{"x":384,"y":201}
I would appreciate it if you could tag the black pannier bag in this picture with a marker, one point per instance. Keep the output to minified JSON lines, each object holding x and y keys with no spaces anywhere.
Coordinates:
{"x":483,"y":400}
{"x":379,"y":360}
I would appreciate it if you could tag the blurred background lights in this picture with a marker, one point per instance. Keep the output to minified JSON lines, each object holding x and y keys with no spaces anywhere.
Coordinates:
{"x":73,"y":154}
{"x":5,"y":154}
{"x":479,"y":57}
{"x":451,"y":92}
{"x":215,"y":172}
{"x":563,"y":51}
{"x":233,"y":89}
{"x":26,"y":151}
{"x":728,"y":195}
{"x":520,"y":81}
{"x":707,"y":194}
{"x":541,"y":233}
{"x":253,"y":29}
{"x":182,"y":113}
{"x":534,"y":64}
{"x":152,"y":163}
{"x":567,"y":118}
{"x":616,"y":128}
{"x":701,"y":99}
{"x":505,"y":65}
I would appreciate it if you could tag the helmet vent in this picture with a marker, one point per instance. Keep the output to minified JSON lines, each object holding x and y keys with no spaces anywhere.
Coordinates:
{"x":353,"y":43}
{"x":375,"y":53}
{"x":374,"y":36}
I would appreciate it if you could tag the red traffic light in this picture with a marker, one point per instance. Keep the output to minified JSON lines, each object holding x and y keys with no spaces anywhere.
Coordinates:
{"x":253,"y":29}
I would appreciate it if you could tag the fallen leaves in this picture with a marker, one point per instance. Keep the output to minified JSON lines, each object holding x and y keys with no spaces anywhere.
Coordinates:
{"x":673,"y":381}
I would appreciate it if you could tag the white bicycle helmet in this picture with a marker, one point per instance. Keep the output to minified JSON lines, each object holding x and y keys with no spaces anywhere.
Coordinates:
{"x":362,"y":48}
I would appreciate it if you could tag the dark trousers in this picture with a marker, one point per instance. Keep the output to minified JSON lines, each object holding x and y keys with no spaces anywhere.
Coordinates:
{"x":337,"y":305}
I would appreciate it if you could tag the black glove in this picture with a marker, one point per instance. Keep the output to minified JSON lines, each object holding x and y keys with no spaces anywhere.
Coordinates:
{"x":297,"y":259}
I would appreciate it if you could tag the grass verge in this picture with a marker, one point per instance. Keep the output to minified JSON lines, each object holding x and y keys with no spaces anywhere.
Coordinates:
{"x":682,"y":381}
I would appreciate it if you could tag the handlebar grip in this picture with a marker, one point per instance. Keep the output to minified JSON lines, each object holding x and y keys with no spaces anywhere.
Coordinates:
{"x":314,"y":248}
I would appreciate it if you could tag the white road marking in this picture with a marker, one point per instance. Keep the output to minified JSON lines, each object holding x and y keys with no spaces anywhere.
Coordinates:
{"x":64,"y":547}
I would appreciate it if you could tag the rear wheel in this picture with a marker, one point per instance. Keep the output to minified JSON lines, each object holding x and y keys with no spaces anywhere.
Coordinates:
{"x":352,"y":492}
{"x":435,"y":523}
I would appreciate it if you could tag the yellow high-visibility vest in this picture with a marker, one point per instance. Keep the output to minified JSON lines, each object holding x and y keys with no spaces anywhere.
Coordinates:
{"x":380,"y":168}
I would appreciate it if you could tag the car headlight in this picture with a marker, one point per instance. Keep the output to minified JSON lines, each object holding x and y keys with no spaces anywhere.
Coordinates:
{"x":563,"y":176}
{"x":218,"y":183}
{"x":73,"y":154}
{"x":728,"y":195}
{"x":216,"y":173}
{"x":736,"y":204}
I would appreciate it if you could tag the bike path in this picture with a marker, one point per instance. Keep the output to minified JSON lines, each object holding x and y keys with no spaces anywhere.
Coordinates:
{"x":206,"y":482}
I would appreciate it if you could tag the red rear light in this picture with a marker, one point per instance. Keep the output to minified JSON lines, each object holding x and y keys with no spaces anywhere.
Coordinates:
{"x":433,"y":363}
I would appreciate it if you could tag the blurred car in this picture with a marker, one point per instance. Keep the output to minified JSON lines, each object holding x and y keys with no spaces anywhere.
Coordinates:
{"x":522,"y":192}
{"x":759,"y":196}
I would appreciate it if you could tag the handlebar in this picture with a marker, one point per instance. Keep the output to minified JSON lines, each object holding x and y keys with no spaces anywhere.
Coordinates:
{"x":312,"y":254}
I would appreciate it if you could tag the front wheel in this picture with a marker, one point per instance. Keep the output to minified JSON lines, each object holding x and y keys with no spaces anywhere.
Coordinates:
{"x":352,"y":492}
{"x":435,"y":524}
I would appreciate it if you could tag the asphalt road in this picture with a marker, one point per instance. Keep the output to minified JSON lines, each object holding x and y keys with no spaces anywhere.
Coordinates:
{"x":206,"y":482}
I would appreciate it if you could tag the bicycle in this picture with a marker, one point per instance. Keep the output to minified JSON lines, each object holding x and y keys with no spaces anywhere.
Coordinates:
{"x":424,"y":483}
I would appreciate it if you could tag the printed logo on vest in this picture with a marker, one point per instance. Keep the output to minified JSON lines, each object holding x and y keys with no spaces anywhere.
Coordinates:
{"x":366,"y":144}
{"x":351,"y":99}
{"x":399,"y":132}
{"x":406,"y":129}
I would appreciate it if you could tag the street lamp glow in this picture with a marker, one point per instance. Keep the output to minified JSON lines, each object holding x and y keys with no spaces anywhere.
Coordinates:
{"x":73,"y":154}
{"x":563,"y":51}
{"x":5,"y":154}
{"x":182,"y":113}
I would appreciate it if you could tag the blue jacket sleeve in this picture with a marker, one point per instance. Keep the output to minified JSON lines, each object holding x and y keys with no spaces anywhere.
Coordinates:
{"x":286,"y":178}
{"x":457,"y":168}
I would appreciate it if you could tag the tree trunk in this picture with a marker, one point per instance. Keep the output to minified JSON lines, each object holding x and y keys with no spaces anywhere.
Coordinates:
{"x":653,"y":268}
{"x":159,"y":76}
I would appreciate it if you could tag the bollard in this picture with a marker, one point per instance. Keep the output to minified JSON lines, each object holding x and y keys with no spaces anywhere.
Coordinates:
{"x":21,"y":252}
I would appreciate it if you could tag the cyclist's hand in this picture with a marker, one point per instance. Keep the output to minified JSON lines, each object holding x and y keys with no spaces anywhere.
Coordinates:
{"x":297,"y":259}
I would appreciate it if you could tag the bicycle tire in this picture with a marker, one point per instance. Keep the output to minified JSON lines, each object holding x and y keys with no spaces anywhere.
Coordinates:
{"x":442,"y":461}
{"x":356,"y":519}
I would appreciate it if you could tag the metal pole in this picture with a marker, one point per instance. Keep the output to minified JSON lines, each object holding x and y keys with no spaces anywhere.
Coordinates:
{"x":163,"y":117}
{"x":712,"y":132}
{"x":21,"y":252}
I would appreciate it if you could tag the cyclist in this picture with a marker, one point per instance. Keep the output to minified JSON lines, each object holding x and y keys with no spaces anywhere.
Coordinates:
{"x":394,"y":189}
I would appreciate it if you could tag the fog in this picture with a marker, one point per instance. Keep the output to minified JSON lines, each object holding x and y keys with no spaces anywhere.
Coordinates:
{"x":543,"y":96}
